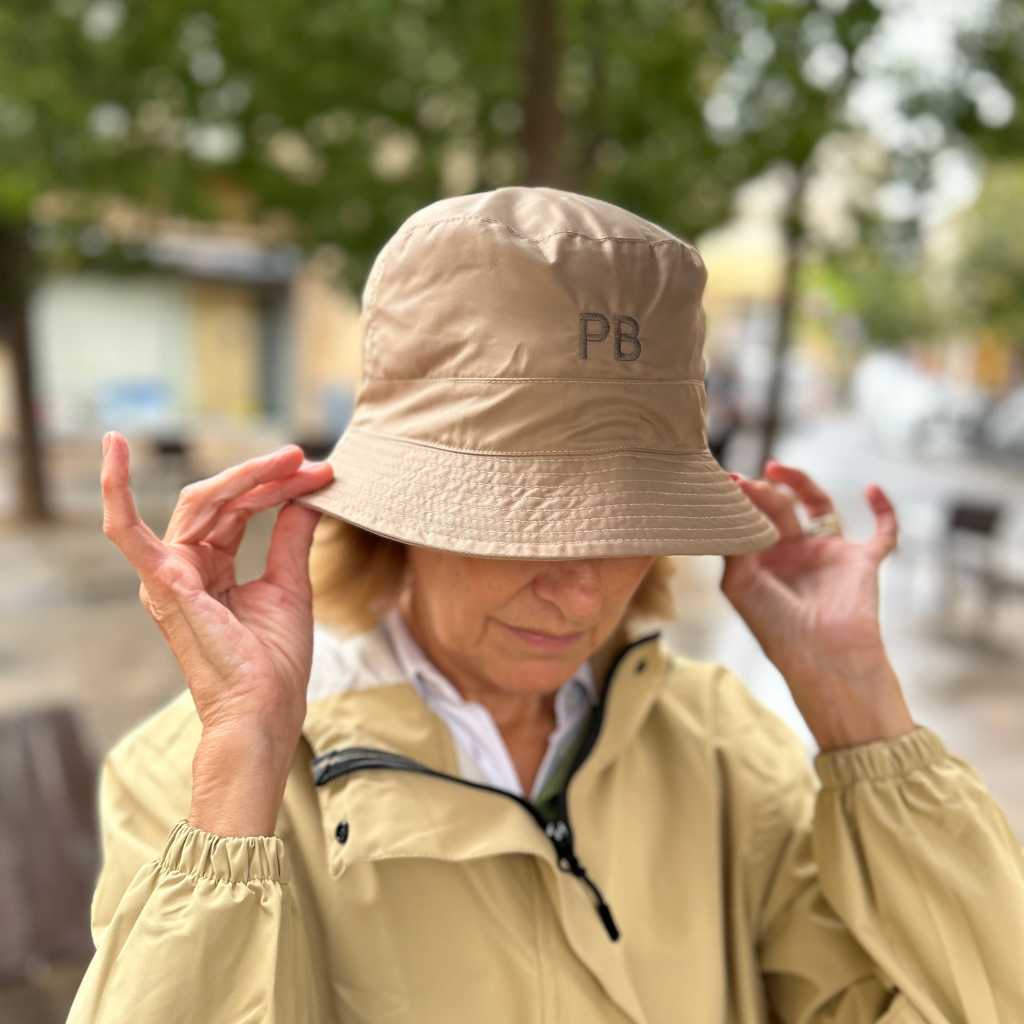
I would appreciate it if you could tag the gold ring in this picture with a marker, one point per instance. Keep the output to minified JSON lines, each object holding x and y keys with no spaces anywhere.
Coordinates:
{"x":824,"y":526}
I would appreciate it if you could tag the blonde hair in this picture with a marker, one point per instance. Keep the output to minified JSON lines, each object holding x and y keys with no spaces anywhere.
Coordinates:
{"x":357,"y":575}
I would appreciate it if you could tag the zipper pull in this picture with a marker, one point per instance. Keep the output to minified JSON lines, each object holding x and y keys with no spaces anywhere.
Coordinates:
{"x":605,"y":913}
{"x":561,"y":837}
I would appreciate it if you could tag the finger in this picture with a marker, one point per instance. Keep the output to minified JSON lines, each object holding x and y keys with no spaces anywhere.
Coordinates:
{"x":199,"y":502}
{"x":814,"y":499}
{"x":310,"y":476}
{"x":201,"y":630}
{"x":290,"y":541}
{"x":778,"y":505}
{"x":121,"y":521}
{"x":160,"y":596}
{"x":229,"y":529}
{"x":886,"y":535}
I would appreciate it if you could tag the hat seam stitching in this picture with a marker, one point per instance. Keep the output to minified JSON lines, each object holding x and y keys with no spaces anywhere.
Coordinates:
{"x":687,"y":480}
{"x":737,"y":512}
{"x":539,"y":451}
{"x":671,"y":471}
{"x":690,"y":483}
{"x":551,"y":380}
{"x":748,"y":521}
{"x":688,"y":491}
{"x":552,"y":234}
{"x":740,"y":513}
{"x":729,"y":498}
{"x":573,"y":530}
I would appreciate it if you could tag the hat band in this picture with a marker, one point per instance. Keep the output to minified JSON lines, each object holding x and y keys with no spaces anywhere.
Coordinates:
{"x":540,"y":417}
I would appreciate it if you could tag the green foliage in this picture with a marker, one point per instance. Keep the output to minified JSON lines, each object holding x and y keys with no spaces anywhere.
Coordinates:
{"x":979,"y":103}
{"x":341,"y":118}
{"x":990,"y":274}
{"x":887,"y":297}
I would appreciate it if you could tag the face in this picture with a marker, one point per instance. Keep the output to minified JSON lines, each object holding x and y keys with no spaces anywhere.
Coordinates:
{"x":461,"y":608}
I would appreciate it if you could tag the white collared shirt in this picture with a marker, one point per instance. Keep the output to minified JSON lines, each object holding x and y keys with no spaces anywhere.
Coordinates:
{"x":484,"y":756}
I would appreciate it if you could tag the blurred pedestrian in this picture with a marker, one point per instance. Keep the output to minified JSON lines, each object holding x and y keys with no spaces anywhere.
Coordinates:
{"x":722,"y":383}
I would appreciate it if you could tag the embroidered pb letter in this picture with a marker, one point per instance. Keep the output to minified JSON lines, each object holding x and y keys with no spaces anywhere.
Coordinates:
{"x":586,"y":336}
{"x":596,"y":327}
{"x":628,"y":330}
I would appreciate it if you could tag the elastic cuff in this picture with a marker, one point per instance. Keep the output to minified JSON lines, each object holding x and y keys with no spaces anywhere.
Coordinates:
{"x":194,"y":851}
{"x":880,"y":759}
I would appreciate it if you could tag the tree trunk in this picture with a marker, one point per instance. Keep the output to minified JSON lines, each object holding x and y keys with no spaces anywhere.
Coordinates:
{"x":16,"y":259}
{"x":542,"y":119}
{"x":793,"y":236}
{"x":595,"y":127}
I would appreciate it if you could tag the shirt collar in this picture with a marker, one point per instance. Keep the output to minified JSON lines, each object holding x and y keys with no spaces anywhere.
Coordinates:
{"x":427,"y":678}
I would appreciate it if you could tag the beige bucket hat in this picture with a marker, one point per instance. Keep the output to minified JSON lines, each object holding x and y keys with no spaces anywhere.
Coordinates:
{"x":533,"y":387}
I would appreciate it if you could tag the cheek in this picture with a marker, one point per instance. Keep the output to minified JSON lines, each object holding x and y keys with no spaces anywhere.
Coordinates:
{"x":631,"y":578}
{"x":476,"y":598}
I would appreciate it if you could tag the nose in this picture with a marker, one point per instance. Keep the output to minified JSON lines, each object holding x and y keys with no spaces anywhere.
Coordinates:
{"x":575,"y":586}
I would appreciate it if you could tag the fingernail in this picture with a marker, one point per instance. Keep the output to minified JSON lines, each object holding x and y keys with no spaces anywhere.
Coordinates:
{"x":106,"y":442}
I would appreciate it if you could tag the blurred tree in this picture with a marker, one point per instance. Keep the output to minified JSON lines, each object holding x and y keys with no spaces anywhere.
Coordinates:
{"x":331,"y":122}
{"x":883,"y":289}
{"x":976,"y":101}
{"x":977,"y":104}
{"x":990,"y":267}
{"x":792,"y":68}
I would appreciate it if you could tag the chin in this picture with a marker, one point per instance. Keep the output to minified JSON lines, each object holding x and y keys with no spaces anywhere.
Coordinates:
{"x":546,"y":670}
{"x":540,"y":684}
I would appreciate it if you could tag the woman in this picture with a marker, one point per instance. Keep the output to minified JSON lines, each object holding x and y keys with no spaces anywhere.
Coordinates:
{"x":409,"y":807}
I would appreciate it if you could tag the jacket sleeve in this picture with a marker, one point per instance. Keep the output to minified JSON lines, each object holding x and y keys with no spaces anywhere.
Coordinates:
{"x":190,"y":925}
{"x":895,"y":893}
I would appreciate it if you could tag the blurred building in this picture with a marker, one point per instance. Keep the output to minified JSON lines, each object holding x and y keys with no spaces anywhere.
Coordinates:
{"x":745,"y":260}
{"x":217,"y":330}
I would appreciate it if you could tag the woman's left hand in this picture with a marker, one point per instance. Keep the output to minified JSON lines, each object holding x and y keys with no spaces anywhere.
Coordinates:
{"x":812,"y":603}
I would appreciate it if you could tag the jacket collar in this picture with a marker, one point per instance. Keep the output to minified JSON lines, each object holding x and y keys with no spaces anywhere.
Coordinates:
{"x":359,"y":695}
{"x":358,"y":698}
{"x":431,"y":682}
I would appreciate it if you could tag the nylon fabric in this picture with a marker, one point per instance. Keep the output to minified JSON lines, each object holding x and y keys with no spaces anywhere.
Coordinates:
{"x":880,"y":884}
{"x":533,"y":386}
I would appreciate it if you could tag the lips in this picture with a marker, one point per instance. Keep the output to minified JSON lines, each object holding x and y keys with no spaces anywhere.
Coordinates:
{"x":545,"y":641}
{"x":551,"y":636}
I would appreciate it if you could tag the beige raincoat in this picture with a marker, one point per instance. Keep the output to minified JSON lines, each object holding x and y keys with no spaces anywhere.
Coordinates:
{"x":700,"y":869}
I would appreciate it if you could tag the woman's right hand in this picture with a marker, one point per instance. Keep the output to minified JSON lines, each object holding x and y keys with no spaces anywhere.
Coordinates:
{"x":245,"y":650}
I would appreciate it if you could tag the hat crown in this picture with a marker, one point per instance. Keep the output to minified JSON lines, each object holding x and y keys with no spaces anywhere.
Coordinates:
{"x":524,"y":318}
{"x":533,"y":387}
{"x":495,"y":284}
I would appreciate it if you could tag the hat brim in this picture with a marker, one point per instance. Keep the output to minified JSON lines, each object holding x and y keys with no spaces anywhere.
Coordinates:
{"x":610,"y":504}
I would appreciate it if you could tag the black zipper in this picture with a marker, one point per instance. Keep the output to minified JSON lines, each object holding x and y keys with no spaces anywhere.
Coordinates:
{"x":336,"y":763}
